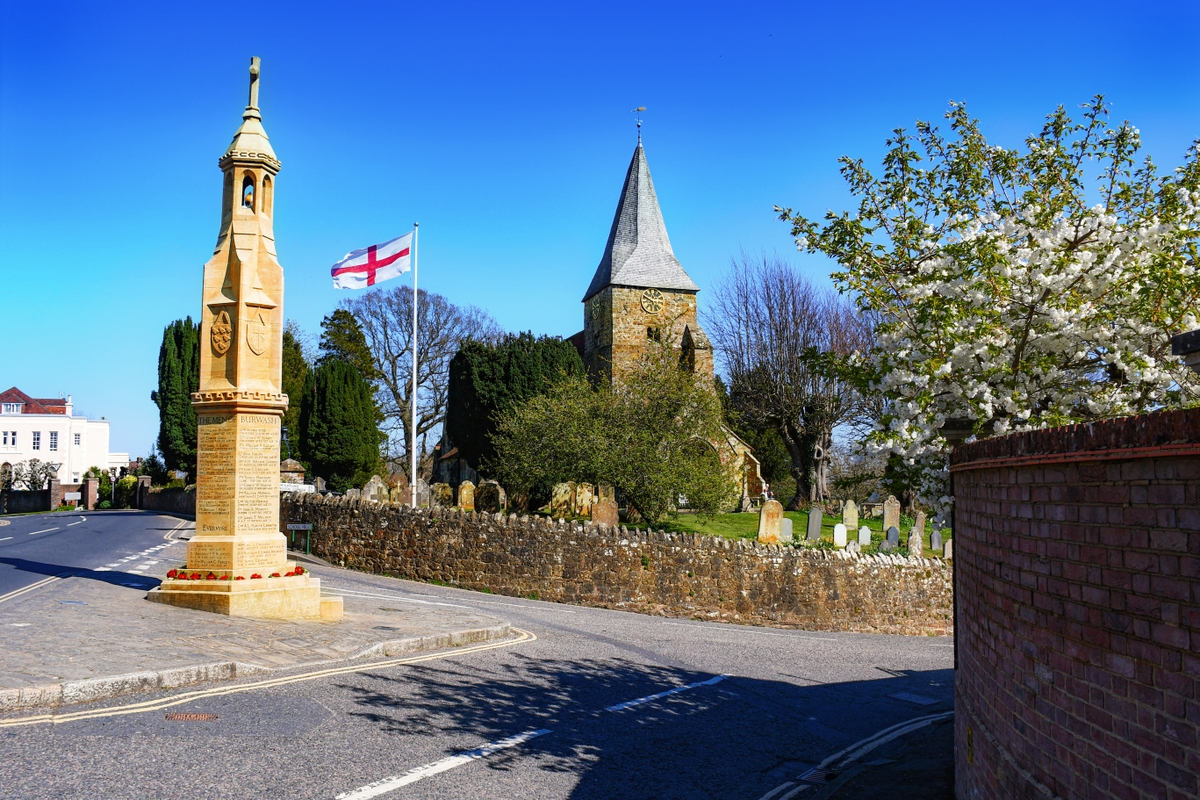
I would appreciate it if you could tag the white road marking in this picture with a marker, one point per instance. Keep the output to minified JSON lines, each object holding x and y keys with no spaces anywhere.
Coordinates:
{"x":776,"y":791}
{"x":102,"y":569}
{"x":114,"y":564}
{"x":742,"y":629}
{"x":45,"y":531}
{"x":660,"y":695}
{"x":413,"y":775}
{"x":795,"y":791}
{"x":400,"y":597}
{"x":409,"y":598}
{"x":69,"y":524}
{"x":5,"y":539}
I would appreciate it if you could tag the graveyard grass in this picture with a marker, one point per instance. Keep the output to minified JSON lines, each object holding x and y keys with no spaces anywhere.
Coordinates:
{"x":739,"y":525}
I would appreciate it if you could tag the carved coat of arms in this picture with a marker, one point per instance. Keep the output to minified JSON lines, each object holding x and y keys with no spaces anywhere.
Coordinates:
{"x":222,"y":333}
{"x":258,"y":334}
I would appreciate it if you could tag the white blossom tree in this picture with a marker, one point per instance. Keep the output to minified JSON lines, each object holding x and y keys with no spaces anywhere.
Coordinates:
{"x":1014,"y":289}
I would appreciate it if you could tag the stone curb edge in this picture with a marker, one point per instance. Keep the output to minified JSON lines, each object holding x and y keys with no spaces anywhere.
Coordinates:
{"x":93,"y":689}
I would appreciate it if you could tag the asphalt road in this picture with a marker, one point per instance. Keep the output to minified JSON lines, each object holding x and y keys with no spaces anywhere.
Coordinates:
{"x":36,"y":547}
{"x":602,"y":704}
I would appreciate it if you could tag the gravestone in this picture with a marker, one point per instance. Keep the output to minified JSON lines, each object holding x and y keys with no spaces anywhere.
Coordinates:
{"x":916,"y":544}
{"x":746,"y":503}
{"x":489,"y":497}
{"x":604,"y":512}
{"x":562,"y":498}
{"x":839,"y":535}
{"x":935,"y":541}
{"x":239,"y":404}
{"x":353,"y":493}
{"x":466,"y":496}
{"x":891,"y":513}
{"x":948,"y":550}
{"x":814,"y":524}
{"x":375,"y":490}
{"x":605,"y":491}
{"x":919,"y":524}
{"x":441,"y":495}
{"x":893,"y":536}
{"x":864,"y":536}
{"x":583,"y":500}
{"x":854,"y":548}
{"x":886,"y":546}
{"x":319,"y":485}
{"x":850,"y":515}
{"x":785,"y":534}
{"x":770,"y":526}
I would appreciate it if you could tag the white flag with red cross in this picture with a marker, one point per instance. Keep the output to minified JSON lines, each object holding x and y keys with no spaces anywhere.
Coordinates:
{"x":379,"y":262}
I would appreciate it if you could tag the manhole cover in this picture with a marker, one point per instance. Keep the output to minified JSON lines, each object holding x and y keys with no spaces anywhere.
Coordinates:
{"x":177,"y":717}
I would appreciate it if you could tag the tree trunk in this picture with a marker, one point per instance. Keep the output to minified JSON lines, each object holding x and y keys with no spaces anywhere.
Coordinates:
{"x":800,"y":449}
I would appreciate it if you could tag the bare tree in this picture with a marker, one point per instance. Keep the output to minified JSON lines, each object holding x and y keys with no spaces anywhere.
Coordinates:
{"x":778,"y":336}
{"x":386,"y":319}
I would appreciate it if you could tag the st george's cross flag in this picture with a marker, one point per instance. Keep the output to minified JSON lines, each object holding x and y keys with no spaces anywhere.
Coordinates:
{"x":379,"y":262}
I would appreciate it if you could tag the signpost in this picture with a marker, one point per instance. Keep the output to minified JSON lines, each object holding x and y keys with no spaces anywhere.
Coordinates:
{"x":307,"y":528}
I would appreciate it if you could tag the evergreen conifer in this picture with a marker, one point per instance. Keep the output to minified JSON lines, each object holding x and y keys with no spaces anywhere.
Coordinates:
{"x":178,"y":377}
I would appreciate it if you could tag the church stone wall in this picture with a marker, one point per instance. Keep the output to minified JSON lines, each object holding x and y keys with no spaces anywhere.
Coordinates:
{"x":669,"y":574}
{"x":617,"y":328}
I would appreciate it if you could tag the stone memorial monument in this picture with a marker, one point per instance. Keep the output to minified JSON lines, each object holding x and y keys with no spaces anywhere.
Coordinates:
{"x":864,"y":536}
{"x":850,"y":515}
{"x":441,"y":495}
{"x":935,"y":542}
{"x":237,"y":560}
{"x":919,"y":524}
{"x":562,"y":500}
{"x":489,"y":497}
{"x":891,"y":513}
{"x":839,"y":535}
{"x":948,"y":550}
{"x":770,"y":527}
{"x":785,"y":532}
{"x":583,"y":500}
{"x":916,"y":544}
{"x":893,"y":536}
{"x":604,"y":512}
{"x":813,"y":534}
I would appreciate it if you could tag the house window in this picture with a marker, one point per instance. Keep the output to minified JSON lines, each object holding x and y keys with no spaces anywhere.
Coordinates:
{"x":74,"y":477}
{"x":78,"y":439}
{"x":11,"y":408}
{"x":5,"y":434}
{"x":37,"y":440}
{"x":53,"y":441}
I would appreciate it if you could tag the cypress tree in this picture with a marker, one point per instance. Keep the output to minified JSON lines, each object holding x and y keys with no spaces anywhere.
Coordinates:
{"x":487,"y":379}
{"x":338,"y":429}
{"x":295,"y":372}
{"x":178,"y":377}
{"x":342,"y":338}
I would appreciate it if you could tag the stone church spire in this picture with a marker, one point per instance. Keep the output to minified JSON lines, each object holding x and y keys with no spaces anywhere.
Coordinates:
{"x":638,"y":252}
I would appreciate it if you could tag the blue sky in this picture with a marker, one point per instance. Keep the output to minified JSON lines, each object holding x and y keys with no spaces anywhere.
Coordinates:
{"x":504,"y":129}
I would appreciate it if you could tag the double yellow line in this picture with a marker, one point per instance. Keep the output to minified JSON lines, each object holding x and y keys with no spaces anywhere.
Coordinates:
{"x":30,"y":587}
{"x":188,"y":697}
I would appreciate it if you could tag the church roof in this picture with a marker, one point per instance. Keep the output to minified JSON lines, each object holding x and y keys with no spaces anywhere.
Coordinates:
{"x":639,"y":252}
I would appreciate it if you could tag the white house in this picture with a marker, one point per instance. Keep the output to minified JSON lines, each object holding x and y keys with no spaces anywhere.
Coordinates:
{"x":48,"y":430}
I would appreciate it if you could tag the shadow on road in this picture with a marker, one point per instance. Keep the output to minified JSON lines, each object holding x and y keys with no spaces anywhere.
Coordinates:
{"x":126,"y":579}
{"x":737,"y":738}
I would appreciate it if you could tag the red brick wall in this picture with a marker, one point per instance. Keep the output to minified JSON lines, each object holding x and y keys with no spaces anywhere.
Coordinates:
{"x":1078,"y":579}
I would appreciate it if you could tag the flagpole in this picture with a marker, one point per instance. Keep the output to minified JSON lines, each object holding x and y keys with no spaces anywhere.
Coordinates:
{"x":413,"y":400}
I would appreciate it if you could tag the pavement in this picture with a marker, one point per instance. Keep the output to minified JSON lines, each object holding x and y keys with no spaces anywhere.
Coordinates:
{"x":580,"y":703}
{"x":70,"y":633}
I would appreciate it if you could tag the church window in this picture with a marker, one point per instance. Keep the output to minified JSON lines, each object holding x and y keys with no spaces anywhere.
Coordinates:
{"x":248,"y":192}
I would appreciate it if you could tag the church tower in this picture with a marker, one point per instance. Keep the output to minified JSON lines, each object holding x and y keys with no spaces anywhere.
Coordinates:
{"x":640,"y":292}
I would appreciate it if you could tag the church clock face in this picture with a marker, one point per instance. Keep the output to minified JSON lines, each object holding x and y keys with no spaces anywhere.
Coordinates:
{"x":652,"y":301}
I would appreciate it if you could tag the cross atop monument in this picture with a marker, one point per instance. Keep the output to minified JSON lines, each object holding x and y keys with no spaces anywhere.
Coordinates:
{"x":254,"y":62}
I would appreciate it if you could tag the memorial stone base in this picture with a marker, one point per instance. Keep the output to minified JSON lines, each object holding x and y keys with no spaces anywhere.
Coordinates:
{"x":297,"y":597}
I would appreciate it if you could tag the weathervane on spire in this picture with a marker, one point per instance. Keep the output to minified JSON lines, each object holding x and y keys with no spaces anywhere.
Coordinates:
{"x":639,"y":111}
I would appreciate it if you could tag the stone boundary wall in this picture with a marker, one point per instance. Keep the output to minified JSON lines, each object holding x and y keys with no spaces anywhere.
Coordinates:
{"x":676,"y":575}
{"x":170,"y":501}
{"x":1078,"y":565}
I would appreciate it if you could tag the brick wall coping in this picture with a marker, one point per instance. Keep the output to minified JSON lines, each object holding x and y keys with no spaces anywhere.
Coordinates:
{"x":1159,"y":434}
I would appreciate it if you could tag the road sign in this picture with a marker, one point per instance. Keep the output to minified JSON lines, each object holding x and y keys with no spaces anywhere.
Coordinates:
{"x":299,"y":526}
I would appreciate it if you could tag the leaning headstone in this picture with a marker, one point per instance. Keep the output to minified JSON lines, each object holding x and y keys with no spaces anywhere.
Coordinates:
{"x":562,"y":497}
{"x":864,"y":536}
{"x":893,"y":536}
{"x":850,"y":515}
{"x":466,"y":496}
{"x":785,"y":534}
{"x":583,"y":500}
{"x":604,"y":512}
{"x":770,"y":526}
{"x":891,"y":513}
{"x":916,"y":544}
{"x":839,"y":535}
{"x":854,"y":548}
{"x":935,"y":541}
{"x":885,"y":546}
{"x":441,"y":495}
{"x":919,"y":524}
{"x":814,"y":524}
{"x":948,"y":550}
{"x":487,"y":497}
